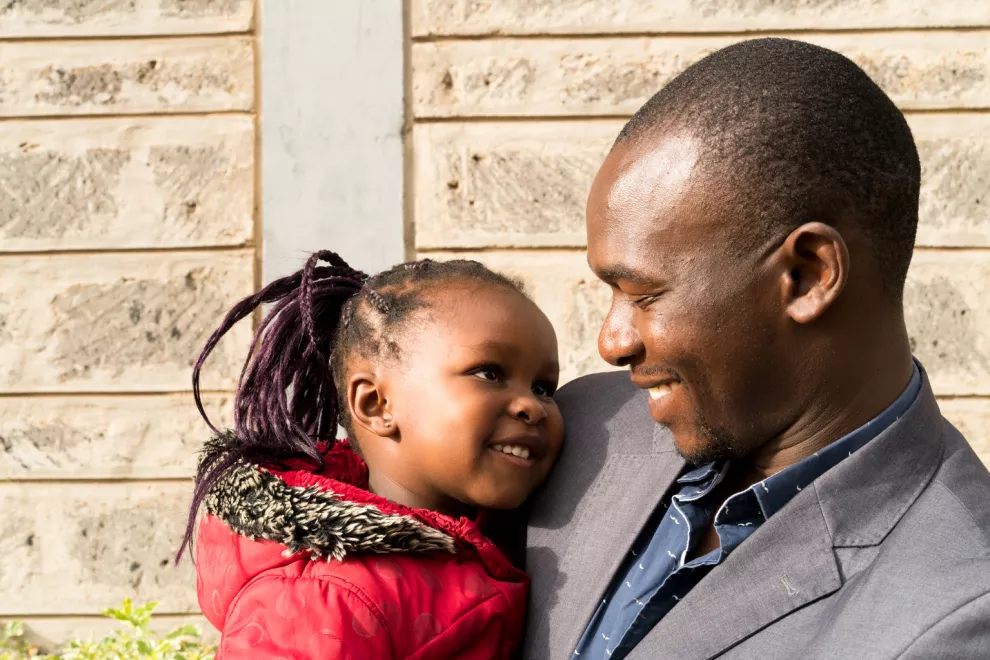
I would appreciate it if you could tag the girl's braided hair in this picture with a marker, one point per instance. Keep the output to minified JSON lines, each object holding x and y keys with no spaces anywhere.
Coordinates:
{"x":292,"y":391}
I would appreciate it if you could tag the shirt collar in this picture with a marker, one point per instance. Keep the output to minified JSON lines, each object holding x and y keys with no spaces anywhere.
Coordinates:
{"x":699,"y":474}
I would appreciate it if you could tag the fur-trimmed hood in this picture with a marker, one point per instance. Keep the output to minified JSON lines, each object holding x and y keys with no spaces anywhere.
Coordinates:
{"x":302,"y":563}
{"x":330,"y":513}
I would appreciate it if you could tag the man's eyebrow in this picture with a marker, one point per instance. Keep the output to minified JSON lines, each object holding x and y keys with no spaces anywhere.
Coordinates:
{"x":613,"y":274}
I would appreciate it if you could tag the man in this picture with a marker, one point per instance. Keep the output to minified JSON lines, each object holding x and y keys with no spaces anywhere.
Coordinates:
{"x":776,"y":481}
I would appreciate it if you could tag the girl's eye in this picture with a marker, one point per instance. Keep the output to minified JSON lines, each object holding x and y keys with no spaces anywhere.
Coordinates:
{"x":544,"y":390}
{"x":491,"y":373}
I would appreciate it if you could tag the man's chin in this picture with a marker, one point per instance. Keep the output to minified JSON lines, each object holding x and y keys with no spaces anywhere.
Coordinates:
{"x":703,"y":448}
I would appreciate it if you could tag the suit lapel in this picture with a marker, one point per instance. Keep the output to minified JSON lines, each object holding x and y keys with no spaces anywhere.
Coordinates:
{"x":786,"y":564}
{"x":624,"y":495}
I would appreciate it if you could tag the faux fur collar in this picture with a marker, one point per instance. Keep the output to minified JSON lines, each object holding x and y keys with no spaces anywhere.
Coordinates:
{"x":327,"y":516}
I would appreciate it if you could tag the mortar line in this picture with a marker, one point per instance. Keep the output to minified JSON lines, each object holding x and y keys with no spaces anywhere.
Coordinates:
{"x":7,"y":482}
{"x":28,"y":618}
{"x":514,"y":248}
{"x":258,"y":210}
{"x":547,"y":118}
{"x":583,"y":248}
{"x":130,"y":116}
{"x":90,"y":252}
{"x":951,"y":248}
{"x":112,"y":394}
{"x":517,"y":119}
{"x":105,"y":38}
{"x":744,"y":33}
{"x":408,"y":124}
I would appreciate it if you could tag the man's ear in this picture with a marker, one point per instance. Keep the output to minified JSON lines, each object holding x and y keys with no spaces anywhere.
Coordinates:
{"x":816,"y":261}
{"x":369,"y":405}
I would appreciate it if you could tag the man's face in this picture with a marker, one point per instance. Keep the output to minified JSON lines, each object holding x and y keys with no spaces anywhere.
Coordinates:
{"x":697,"y":313}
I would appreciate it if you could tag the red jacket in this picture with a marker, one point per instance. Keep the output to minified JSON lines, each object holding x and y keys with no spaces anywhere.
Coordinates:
{"x":295,"y":564}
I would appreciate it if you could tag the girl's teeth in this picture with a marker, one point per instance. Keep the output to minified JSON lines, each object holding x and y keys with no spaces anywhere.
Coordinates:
{"x":512,"y":450}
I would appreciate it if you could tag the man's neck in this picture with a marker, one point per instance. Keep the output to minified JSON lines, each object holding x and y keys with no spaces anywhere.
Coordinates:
{"x":838,"y":410}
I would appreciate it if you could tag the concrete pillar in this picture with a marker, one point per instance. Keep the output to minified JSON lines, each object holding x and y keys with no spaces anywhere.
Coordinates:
{"x":331,"y":129}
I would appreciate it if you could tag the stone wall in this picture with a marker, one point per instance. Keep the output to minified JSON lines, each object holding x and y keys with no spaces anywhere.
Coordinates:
{"x":515,"y":104}
{"x":127,"y":226}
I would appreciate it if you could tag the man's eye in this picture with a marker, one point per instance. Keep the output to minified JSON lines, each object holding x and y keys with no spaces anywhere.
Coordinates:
{"x":645,"y":301}
{"x":545,"y":390}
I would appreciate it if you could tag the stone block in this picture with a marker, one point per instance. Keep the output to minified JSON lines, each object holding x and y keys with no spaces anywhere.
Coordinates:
{"x":614,"y":77}
{"x":524,"y":184}
{"x":79,"y":548}
{"x":561,"y":283}
{"x":105,"y":437}
{"x":947,"y":307}
{"x":120,"y":322}
{"x":533,"y":17}
{"x":108,"y":183}
{"x":972,"y":418}
{"x":955,"y":179}
{"x":506,"y":185}
{"x":126,"y":77}
{"x":78,"y":18}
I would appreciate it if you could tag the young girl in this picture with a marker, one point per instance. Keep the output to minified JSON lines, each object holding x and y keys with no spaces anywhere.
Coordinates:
{"x":442,"y":374}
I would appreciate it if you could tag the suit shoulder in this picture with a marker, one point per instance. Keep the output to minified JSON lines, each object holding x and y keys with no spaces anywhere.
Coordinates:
{"x":596,"y":392}
{"x":606,"y":410}
{"x":964,"y":476}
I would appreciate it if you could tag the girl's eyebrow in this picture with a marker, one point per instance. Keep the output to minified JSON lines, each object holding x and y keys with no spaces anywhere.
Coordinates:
{"x":491,"y":345}
{"x":496,"y":346}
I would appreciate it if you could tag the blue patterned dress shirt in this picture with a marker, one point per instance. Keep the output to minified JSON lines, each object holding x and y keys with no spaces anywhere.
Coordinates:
{"x":657,"y":573}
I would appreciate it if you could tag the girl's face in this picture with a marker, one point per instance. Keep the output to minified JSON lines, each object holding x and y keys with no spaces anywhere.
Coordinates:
{"x":470,"y":400}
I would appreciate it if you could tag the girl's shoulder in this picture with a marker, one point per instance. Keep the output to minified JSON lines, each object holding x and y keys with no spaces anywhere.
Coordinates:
{"x":263,"y":598}
{"x":423,"y":605}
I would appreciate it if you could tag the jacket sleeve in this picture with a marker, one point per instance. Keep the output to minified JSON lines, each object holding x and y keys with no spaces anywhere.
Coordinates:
{"x":304,"y":617}
{"x":963,"y":635}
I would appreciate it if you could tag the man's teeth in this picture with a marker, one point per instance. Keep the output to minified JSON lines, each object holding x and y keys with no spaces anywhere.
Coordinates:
{"x":660,"y":391}
{"x":515,"y":450}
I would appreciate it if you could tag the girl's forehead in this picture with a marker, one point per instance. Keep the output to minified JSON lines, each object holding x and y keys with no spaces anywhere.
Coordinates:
{"x":488,"y":317}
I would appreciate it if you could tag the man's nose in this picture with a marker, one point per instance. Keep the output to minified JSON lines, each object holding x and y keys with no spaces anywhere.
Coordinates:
{"x":528,"y":408}
{"x":619,"y":342}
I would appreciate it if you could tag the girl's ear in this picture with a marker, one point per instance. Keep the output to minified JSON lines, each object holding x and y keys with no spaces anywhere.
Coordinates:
{"x":369,"y":406}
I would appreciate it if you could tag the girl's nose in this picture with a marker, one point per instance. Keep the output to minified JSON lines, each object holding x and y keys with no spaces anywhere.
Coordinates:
{"x":529,"y":409}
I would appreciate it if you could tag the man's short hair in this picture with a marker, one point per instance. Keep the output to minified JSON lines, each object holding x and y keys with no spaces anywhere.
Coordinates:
{"x":797,"y":133}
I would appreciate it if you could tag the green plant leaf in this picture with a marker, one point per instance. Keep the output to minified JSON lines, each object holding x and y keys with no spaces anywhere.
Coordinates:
{"x":134,"y":642}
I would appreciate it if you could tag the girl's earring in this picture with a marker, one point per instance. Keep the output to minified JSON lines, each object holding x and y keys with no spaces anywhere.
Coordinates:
{"x":388,"y":420}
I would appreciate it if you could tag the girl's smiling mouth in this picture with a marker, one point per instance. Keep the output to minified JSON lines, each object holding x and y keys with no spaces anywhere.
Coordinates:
{"x":522,"y":450}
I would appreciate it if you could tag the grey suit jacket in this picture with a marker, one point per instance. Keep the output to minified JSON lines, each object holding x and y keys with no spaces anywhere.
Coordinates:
{"x":887,"y":556}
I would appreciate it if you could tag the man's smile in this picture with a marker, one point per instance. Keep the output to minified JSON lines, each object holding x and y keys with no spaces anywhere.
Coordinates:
{"x":664,"y":389}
